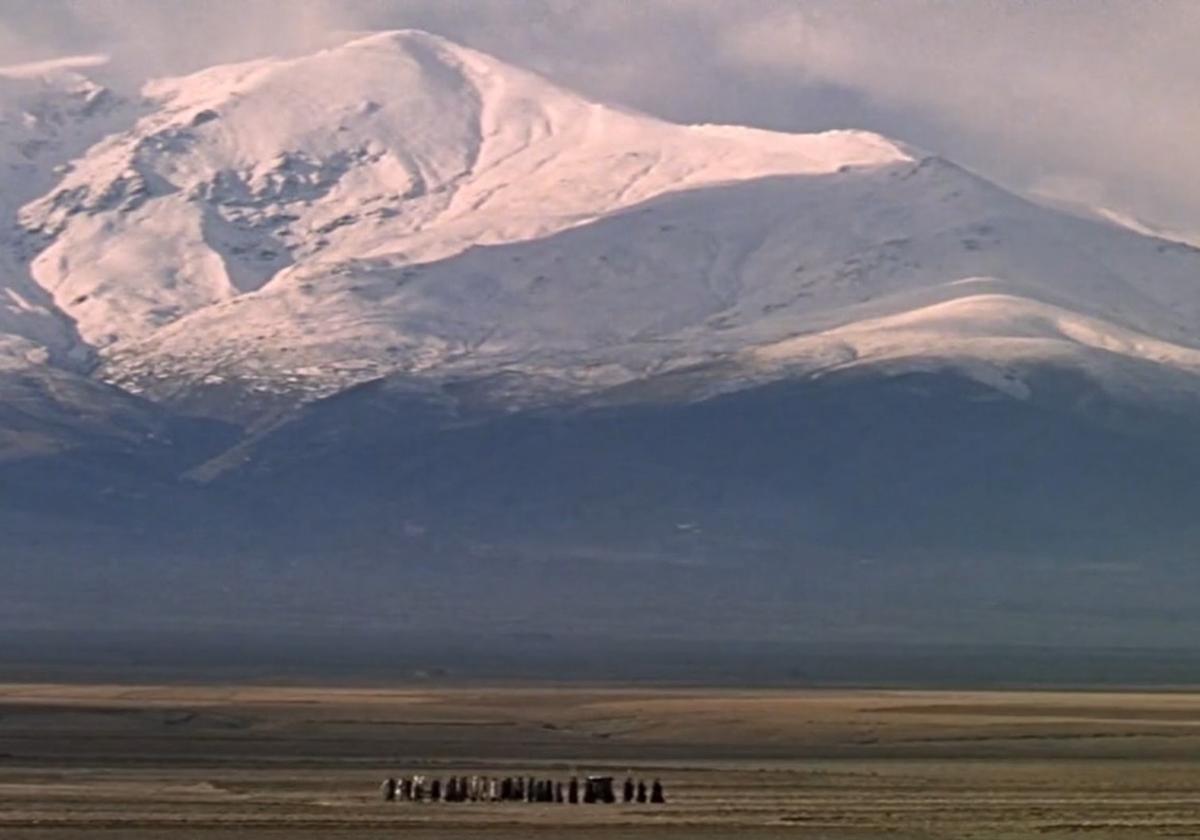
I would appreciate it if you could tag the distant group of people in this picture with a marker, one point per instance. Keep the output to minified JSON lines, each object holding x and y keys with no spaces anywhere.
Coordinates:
{"x":591,"y":789}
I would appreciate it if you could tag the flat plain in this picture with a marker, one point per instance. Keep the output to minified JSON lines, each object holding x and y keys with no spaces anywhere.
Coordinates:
{"x":149,"y":762}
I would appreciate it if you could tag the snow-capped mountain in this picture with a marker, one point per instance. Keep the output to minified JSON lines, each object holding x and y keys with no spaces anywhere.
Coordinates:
{"x":279,"y":183}
{"x":401,"y":204}
{"x":341,"y":301}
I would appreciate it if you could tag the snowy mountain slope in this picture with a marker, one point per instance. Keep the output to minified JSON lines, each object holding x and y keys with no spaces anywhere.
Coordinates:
{"x":49,"y":114}
{"x":994,"y":336}
{"x":712,"y":273}
{"x":401,"y":146}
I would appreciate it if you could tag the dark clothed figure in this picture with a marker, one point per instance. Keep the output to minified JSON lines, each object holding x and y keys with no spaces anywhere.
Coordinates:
{"x":406,"y":790}
{"x":656,"y":793}
{"x":589,"y":791}
{"x":388,"y":789}
{"x":435,"y":790}
{"x":558,"y":792}
{"x":573,"y":791}
{"x":529,"y":789}
{"x":627,"y":790}
{"x":641,"y":792}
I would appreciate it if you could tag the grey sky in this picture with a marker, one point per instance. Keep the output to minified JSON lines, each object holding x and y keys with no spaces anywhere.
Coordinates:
{"x":1096,"y":99}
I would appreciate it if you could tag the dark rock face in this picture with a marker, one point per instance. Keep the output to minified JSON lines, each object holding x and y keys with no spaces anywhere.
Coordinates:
{"x":922,"y":506}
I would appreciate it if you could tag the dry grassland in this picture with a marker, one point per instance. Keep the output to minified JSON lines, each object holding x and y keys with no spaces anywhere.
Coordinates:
{"x":155,"y":762}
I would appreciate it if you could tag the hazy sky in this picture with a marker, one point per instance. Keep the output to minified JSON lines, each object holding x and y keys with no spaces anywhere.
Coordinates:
{"x":1094,"y":99}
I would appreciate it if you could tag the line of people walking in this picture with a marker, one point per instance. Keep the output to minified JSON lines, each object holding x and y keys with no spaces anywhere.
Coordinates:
{"x":592,"y":789}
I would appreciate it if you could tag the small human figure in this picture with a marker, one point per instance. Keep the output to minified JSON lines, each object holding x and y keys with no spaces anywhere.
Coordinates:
{"x":573,"y":791}
{"x":641,"y":792}
{"x":388,"y":789}
{"x":656,"y":793}
{"x":627,"y":790}
{"x":418,"y":788}
{"x":435,"y":790}
{"x":558,"y":792}
{"x":589,"y":791}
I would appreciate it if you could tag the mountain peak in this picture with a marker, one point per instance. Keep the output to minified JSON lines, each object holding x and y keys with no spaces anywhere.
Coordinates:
{"x":401,"y":204}
{"x":399,"y":146}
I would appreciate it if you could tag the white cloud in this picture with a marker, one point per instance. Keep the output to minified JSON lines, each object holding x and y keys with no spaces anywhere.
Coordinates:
{"x":1103,"y":91}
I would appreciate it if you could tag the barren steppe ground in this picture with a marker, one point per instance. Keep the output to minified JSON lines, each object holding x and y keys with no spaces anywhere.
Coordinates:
{"x":181,"y":762}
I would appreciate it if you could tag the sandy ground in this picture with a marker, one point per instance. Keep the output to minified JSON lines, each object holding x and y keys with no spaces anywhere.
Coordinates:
{"x":156,"y":762}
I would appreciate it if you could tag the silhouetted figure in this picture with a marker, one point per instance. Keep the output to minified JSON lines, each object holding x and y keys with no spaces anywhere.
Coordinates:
{"x":406,"y":790}
{"x":573,"y":791}
{"x":641,"y":792}
{"x":656,"y":793}
{"x":388,"y":789}
{"x":627,"y":790}
{"x":418,"y":788}
{"x":435,"y":790}
{"x":558,"y":792}
{"x":600,"y":789}
{"x":529,"y":789}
